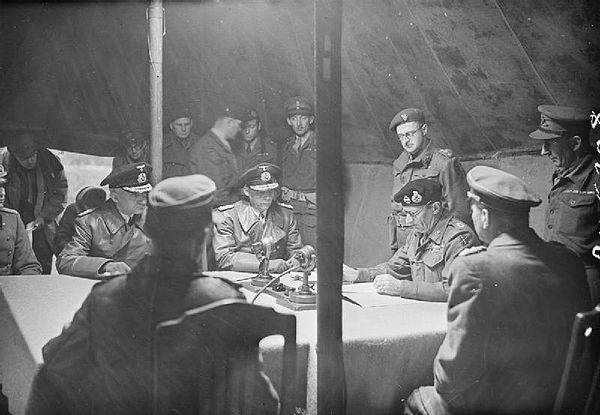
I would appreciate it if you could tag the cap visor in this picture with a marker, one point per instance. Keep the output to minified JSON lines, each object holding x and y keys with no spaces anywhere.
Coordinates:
{"x":542,"y":135}
{"x":268,"y":186}
{"x":299,"y":112}
{"x":138,"y":189}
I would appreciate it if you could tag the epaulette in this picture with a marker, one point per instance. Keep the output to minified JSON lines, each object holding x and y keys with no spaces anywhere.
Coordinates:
{"x":225,"y":207}
{"x":446,"y":152}
{"x":8,"y":210}
{"x":285,"y":205}
{"x":86,"y":212}
{"x":233,"y":284}
{"x":472,"y":250}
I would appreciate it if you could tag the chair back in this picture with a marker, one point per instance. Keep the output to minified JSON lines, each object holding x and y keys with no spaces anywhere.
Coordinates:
{"x":579,"y":390}
{"x":207,"y":362}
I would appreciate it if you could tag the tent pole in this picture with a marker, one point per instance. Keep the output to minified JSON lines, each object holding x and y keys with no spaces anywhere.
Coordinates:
{"x":155,"y":45}
{"x":330,"y":201}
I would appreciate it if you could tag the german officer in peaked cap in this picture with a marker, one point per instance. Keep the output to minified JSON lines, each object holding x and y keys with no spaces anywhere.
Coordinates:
{"x":111,"y":335}
{"x":299,"y":165}
{"x":510,"y":310}
{"x":256,"y":218}
{"x":573,"y":209}
{"x":422,"y":160}
{"x":110,"y":240}
{"x":419,"y":268}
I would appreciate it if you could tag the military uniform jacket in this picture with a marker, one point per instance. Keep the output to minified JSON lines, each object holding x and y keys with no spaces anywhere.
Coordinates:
{"x":264,"y":151}
{"x":299,"y":168}
{"x":573,"y":211}
{"x":510,"y":314}
{"x":210,"y":157}
{"x":176,"y":157}
{"x":424,"y":260}
{"x":102,"y":235}
{"x":103,"y":362}
{"x":437,"y":164}
{"x":66,"y":228}
{"x":16,"y":255}
{"x":237,"y":227}
{"x":122,"y":158}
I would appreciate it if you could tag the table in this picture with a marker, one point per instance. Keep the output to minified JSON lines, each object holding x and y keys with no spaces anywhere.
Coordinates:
{"x":388,"y":350}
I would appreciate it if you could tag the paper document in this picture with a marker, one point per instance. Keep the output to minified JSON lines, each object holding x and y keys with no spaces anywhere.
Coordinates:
{"x":366,"y":296}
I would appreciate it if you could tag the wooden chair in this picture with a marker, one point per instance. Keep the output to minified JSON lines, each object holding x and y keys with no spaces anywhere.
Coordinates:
{"x":206,"y":361}
{"x":579,"y":390}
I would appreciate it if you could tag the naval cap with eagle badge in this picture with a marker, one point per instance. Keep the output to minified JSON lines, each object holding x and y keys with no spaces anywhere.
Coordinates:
{"x":419,"y":192}
{"x":407,"y":115}
{"x":133,"y":178}
{"x":298,"y":105}
{"x":558,"y":121}
{"x":263,"y":176}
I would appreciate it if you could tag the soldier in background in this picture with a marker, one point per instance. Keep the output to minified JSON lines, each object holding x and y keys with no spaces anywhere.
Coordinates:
{"x":421,"y":160}
{"x":573,"y":208}
{"x":177,"y":143}
{"x":111,"y":240}
{"x":253,"y":148}
{"x":37,"y":188}
{"x":298,"y":160}
{"x":134,"y":148}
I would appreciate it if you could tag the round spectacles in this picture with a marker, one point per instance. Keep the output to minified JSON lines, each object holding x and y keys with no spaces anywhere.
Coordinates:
{"x":408,"y":134}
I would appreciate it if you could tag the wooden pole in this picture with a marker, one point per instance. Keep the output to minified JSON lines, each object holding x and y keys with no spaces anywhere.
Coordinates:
{"x":155,"y":46}
{"x":331,"y":383}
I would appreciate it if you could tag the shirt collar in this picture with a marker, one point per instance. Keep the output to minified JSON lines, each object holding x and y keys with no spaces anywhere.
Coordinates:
{"x":579,"y":171}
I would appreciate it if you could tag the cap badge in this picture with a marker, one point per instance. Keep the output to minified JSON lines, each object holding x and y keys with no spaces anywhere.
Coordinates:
{"x":141,"y":177}
{"x":544,"y":122}
{"x":404,"y":117}
{"x":406,"y":200}
{"x":416,"y":197}
{"x":265,"y":176}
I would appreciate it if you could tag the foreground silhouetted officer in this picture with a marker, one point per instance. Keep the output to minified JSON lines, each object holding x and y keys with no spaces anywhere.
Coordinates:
{"x":103,"y":362}
{"x":510,"y":310}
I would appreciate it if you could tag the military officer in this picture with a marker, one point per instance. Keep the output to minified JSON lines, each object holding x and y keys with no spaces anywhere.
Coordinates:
{"x":254,"y":148}
{"x":421,"y":159}
{"x":16,"y":255}
{"x":573,"y":209}
{"x":178,"y":142}
{"x":256,"y":218}
{"x":419,"y":269}
{"x":134,"y":148}
{"x":110,"y":240}
{"x":102,"y":361}
{"x":213,"y":156}
{"x":510,"y":310}
{"x":299,"y":165}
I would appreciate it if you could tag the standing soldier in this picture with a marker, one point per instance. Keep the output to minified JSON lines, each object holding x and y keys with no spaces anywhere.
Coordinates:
{"x":573,"y":210}
{"x":177,"y":144}
{"x":299,"y":166}
{"x":421,"y":160}
{"x":254,"y":148}
{"x":134,"y":148}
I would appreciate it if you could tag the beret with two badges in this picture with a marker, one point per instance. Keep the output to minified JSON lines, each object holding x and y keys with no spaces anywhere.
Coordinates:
{"x":558,"y":121}
{"x":232,"y":110}
{"x":407,"y":115}
{"x":500,"y":190}
{"x":133,"y":178}
{"x":249,"y":115}
{"x":419,"y":192}
{"x":298,"y":105}
{"x":263,"y":176}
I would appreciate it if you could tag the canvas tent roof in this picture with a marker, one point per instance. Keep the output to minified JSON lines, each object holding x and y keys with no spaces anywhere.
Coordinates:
{"x":78,"y":74}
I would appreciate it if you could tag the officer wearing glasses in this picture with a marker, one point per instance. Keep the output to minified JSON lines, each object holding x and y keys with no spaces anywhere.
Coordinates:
{"x":134,"y":148}
{"x":417,"y":270}
{"x":421,"y":159}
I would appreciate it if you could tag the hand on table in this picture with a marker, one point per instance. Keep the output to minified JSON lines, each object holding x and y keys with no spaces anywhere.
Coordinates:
{"x":277,"y":266}
{"x":114,"y":268}
{"x":386,"y":284}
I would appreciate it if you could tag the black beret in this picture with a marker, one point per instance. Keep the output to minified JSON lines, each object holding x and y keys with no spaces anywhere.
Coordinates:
{"x":407,"y":115}
{"x":500,"y":190}
{"x":130,"y":177}
{"x":419,"y":192}
{"x":132,"y":136}
{"x":263,"y":176}
{"x":249,"y":115}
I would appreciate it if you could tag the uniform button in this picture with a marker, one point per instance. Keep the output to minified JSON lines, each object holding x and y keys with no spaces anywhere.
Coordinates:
{"x":572,"y":202}
{"x":9,"y":252}
{"x":551,"y":211}
{"x":549,"y":226}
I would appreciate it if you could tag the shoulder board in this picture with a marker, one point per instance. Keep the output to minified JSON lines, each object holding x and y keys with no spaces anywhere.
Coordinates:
{"x":445,"y":152}
{"x":86,"y":212}
{"x":285,"y":205}
{"x":8,"y":210}
{"x":225,"y":280}
{"x":225,"y":207}
{"x":472,"y":250}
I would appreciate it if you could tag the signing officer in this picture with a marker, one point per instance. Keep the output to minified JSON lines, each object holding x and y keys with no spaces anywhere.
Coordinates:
{"x":419,"y":268}
{"x":110,"y":240}
{"x":419,"y":160}
{"x":510,"y":310}
{"x":573,"y":211}
{"x":299,"y":165}
{"x":255,"y":218}
{"x":16,"y":254}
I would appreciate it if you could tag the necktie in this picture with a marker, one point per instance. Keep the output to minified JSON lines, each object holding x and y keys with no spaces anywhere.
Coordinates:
{"x":133,"y":219}
{"x":248,"y":148}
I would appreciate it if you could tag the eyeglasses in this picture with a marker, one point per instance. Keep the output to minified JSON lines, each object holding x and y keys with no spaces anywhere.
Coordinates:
{"x":414,"y":214}
{"x":408,"y":134}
